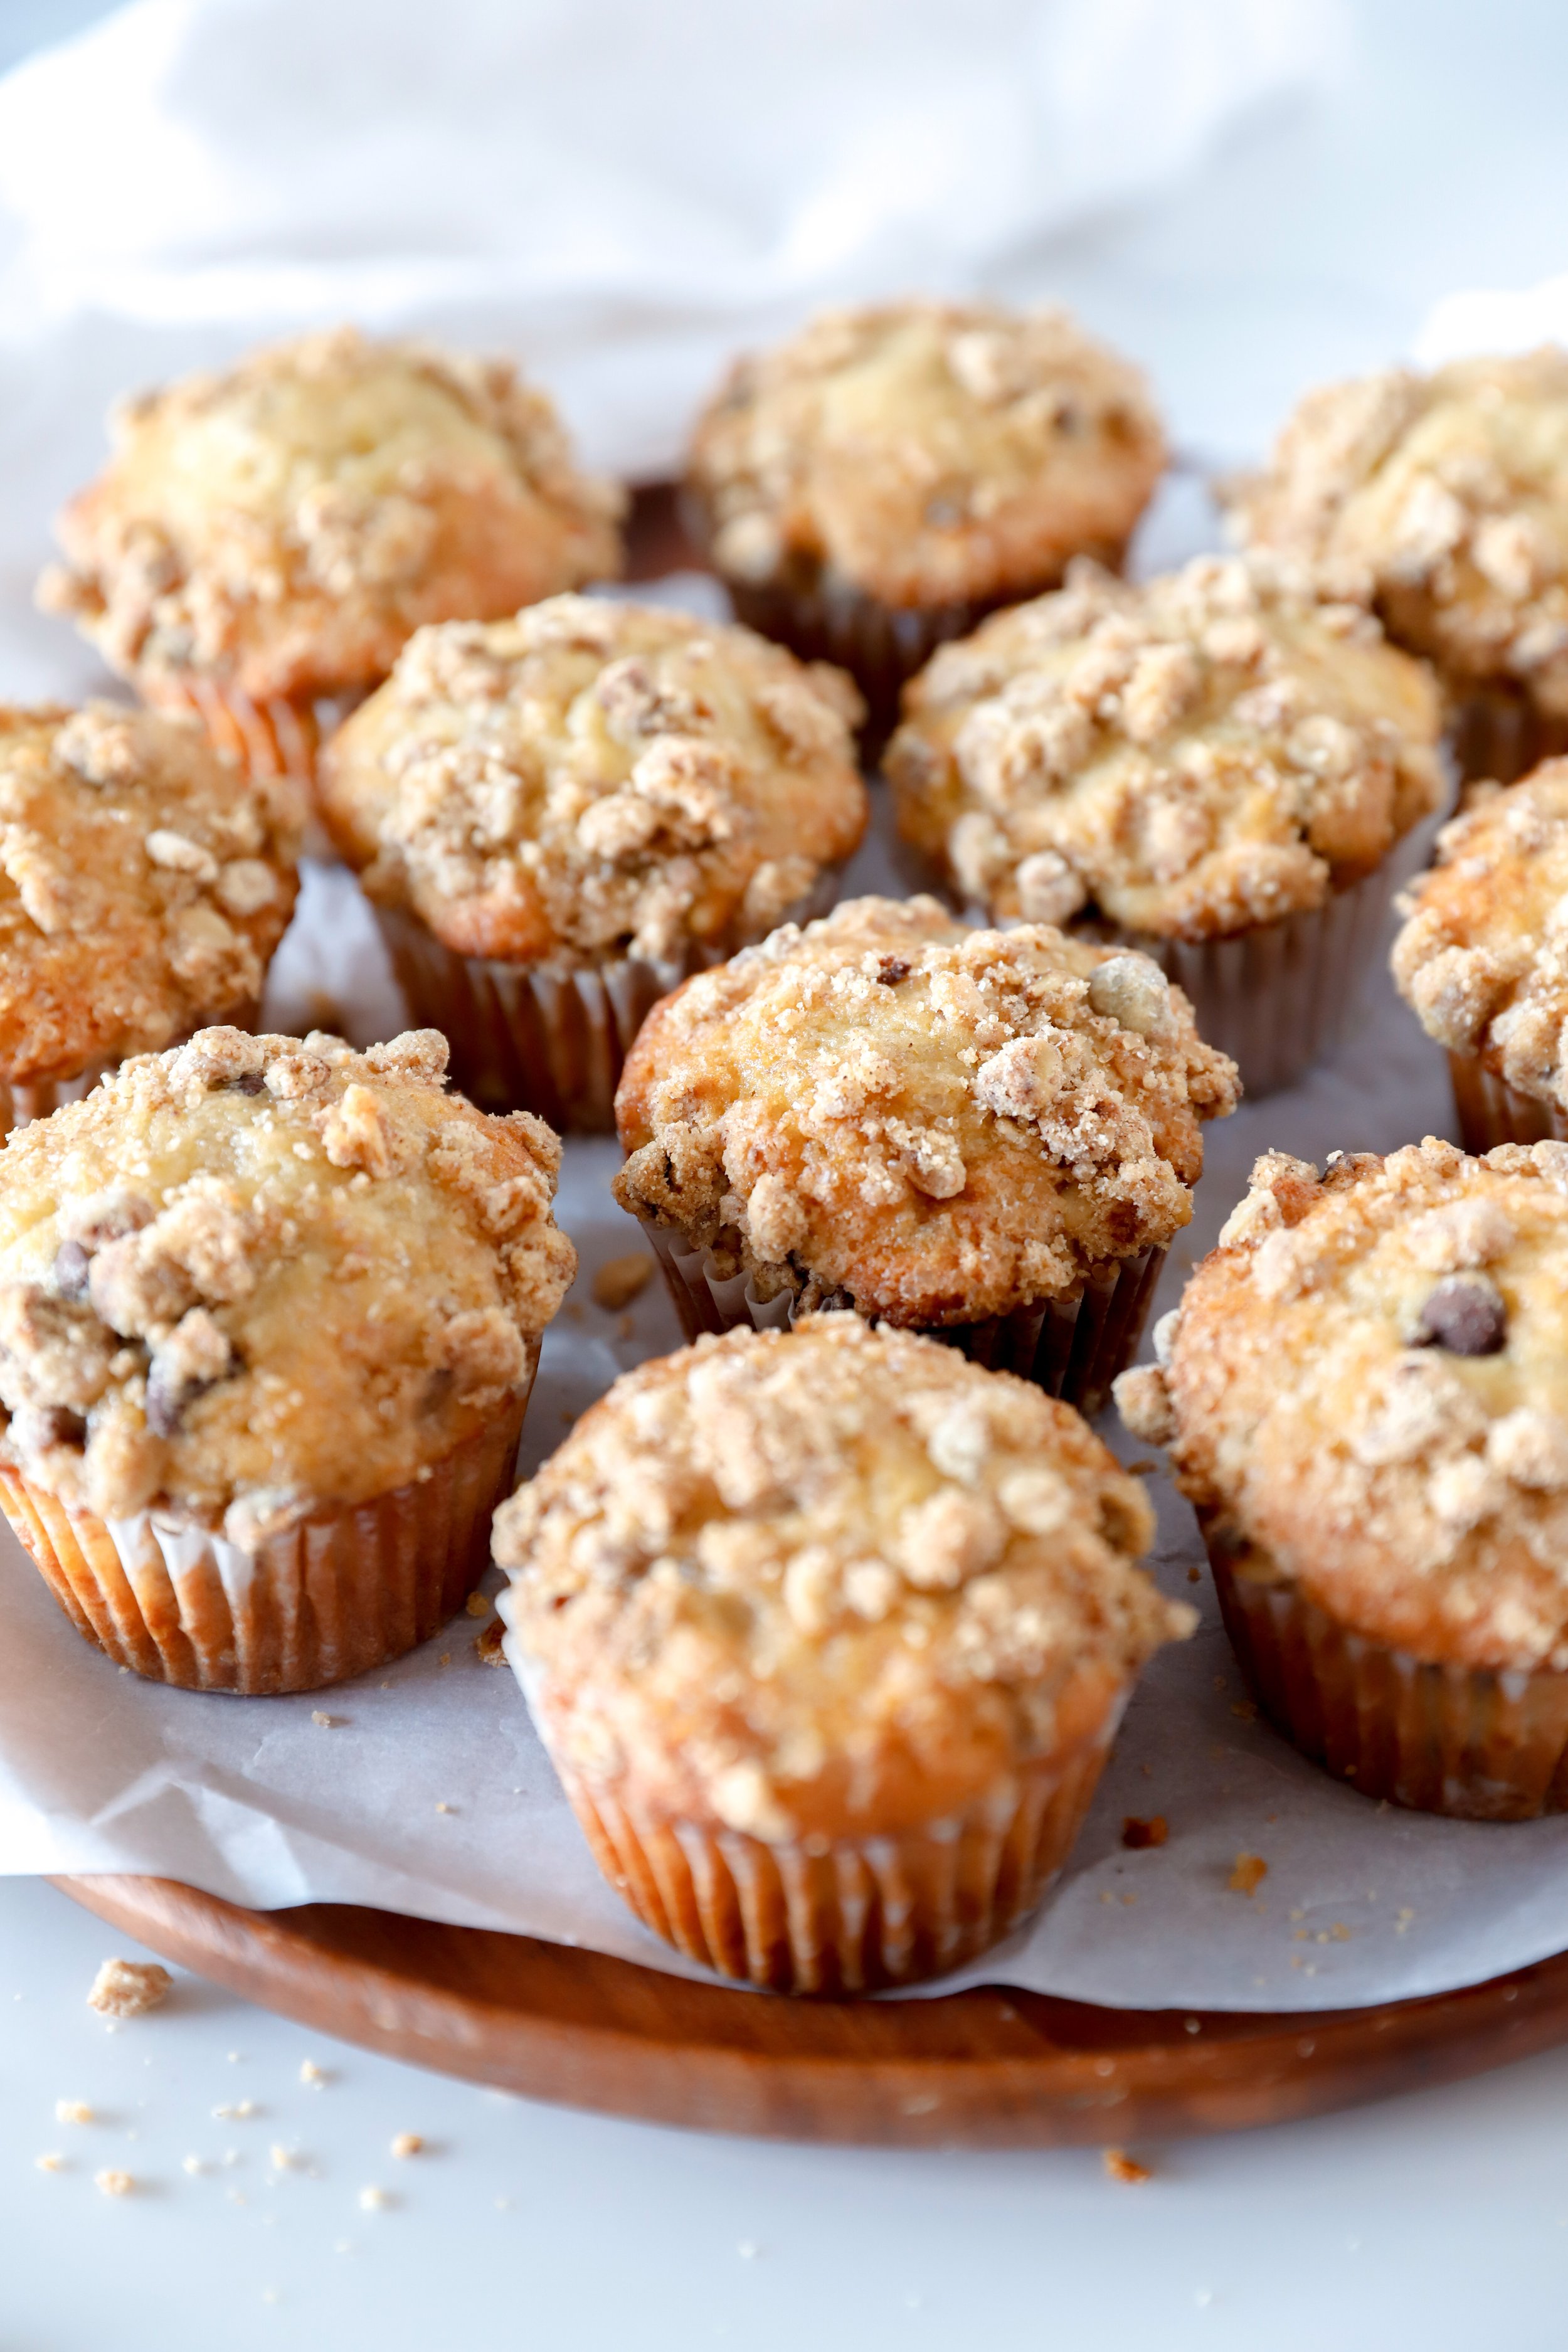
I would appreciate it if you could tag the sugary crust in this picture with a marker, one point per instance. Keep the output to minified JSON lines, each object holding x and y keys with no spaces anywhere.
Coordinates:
{"x":143,"y":886}
{"x":286,"y":526}
{"x":1483,"y":957}
{"x":1193,"y":758}
{"x":591,"y":778}
{"x":1415,"y":1486}
{"x":937,"y":1123}
{"x":925,"y":453}
{"x":255,"y":1276}
{"x":1443,"y":499}
{"x":825,"y":1583}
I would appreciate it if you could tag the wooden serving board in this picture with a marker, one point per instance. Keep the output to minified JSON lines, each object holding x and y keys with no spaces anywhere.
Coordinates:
{"x":986,"y":2069}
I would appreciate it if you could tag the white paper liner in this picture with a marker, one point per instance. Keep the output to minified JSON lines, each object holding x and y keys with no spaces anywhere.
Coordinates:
{"x":1491,"y":1111}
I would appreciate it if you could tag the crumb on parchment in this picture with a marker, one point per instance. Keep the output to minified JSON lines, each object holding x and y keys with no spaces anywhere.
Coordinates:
{"x":129,"y":1987}
{"x":1248,"y":1874}
{"x":621,"y":1279}
{"x":1137,"y":1833}
{"x":1120,"y":2165}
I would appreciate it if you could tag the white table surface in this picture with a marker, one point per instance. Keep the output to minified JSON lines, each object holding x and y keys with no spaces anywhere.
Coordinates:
{"x":1314,"y":245}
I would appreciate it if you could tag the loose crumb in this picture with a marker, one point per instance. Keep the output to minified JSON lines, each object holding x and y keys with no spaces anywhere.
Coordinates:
{"x":194,"y":2164}
{"x":313,"y":2075}
{"x":113,"y":2184}
{"x":477,"y":1604}
{"x":129,"y":1987}
{"x":327,"y":1722}
{"x":283,"y":2160}
{"x":1402,"y":1920}
{"x":1137,"y":1833}
{"x":1248,"y":1874}
{"x":1120,"y":2165}
{"x":442,"y":1807}
{"x":488,"y":1647}
{"x":240,"y":2112}
{"x":407,"y":2144}
{"x":621,"y":1279}
{"x":50,"y":2163}
{"x":72,"y":2111}
{"x":374,"y":2200}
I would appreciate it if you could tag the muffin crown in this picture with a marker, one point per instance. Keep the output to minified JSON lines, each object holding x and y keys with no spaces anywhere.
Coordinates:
{"x":283,"y":527}
{"x":595,"y":778}
{"x":1366,"y":1389}
{"x":145,"y":886}
{"x":926,"y":453}
{"x":256,"y":1275}
{"x":802,"y":1582}
{"x":1197,"y":756}
{"x":937,"y":1123}
{"x":1483,"y":956}
{"x":1445,"y":500}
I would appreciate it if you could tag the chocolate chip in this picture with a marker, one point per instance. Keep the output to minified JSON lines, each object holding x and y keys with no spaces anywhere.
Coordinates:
{"x":891,"y":969}
{"x":249,"y":1082}
{"x":37,"y":1427}
{"x":1465,"y":1316}
{"x":72,"y":1266}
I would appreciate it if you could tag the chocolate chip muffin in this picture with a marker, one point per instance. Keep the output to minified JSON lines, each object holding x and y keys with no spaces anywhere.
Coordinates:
{"x":264,"y":540}
{"x":147,"y":887}
{"x":991,"y":1136}
{"x":827,"y":1633}
{"x":1442,"y":500}
{"x":1483,"y":959}
{"x":1214,"y":767}
{"x":269,"y":1313}
{"x":559,"y":816}
{"x":879,"y":482}
{"x":1365,"y":1394}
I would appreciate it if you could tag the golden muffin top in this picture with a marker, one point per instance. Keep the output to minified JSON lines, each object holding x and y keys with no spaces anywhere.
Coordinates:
{"x":258,"y":1275}
{"x":1443,"y":499}
{"x":143,"y":886}
{"x":1365,"y":1391}
{"x":1483,"y":956}
{"x":284,"y":526}
{"x":1193,"y":757}
{"x":808,"y":1582}
{"x":925,"y":453}
{"x":597,"y":778}
{"x":935,"y":1123}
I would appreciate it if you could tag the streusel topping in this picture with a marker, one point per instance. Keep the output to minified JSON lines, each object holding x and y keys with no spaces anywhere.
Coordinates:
{"x":143,"y":886}
{"x":1483,"y":958}
{"x":284,"y":526}
{"x":926,"y":453}
{"x":1443,"y":499}
{"x":256,"y":1275}
{"x":938,"y":1124}
{"x":595,"y":778}
{"x":1366,"y":1388}
{"x":792,"y":1581}
{"x":1193,"y":757}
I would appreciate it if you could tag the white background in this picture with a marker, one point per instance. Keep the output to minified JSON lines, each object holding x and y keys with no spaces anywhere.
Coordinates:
{"x":1314,"y":244}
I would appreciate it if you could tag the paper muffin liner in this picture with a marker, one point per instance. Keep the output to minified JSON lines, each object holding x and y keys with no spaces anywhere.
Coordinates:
{"x":1474,"y":1743}
{"x":346,"y":1590}
{"x":1491,"y":1111}
{"x":1496,"y":733}
{"x":550,"y":1038}
{"x":1072,"y":1347}
{"x":20,"y":1104}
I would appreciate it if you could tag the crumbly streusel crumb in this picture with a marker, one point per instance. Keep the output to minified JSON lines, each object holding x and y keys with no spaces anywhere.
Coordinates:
{"x":1122,"y":2167}
{"x":129,"y":1987}
{"x":1193,"y":757}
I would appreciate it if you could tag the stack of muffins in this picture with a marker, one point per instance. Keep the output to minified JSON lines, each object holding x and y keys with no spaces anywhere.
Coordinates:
{"x":828,"y":1620}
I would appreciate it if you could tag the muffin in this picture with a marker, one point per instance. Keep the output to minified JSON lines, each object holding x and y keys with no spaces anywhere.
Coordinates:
{"x":559,"y":816}
{"x":1483,"y":959}
{"x":1214,"y":768}
{"x":1365,"y":1395}
{"x":988,"y":1136}
{"x":269,"y":1313}
{"x":827,"y":1633}
{"x":1442,"y":499}
{"x":264,"y":541}
{"x":146,"y":888}
{"x":881,"y":480}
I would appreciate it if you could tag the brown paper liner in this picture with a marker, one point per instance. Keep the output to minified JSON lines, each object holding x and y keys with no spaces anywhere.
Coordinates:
{"x":1476,"y":1743}
{"x":1497,"y":732}
{"x":1072,"y":1347}
{"x":855,"y":1914}
{"x":346,"y":1590}
{"x":545,"y":1037}
{"x":1491,"y":1111}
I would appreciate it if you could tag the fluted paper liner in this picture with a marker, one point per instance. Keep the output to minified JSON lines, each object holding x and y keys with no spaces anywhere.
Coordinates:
{"x":345,"y":1590}
{"x":1475,"y":1744}
{"x":1498,"y":734}
{"x":1491,"y":1111}
{"x":550,"y":1038}
{"x":1072,"y":1347}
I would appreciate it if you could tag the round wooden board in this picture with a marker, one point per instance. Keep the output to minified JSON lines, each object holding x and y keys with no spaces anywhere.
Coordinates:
{"x":984,"y":2069}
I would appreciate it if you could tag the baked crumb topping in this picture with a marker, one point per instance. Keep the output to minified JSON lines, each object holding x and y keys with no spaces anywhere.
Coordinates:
{"x":260,"y":1274}
{"x":1483,"y":956}
{"x":1191,"y":757}
{"x":934,"y":1123}
{"x":1444,"y":501}
{"x":129,"y":1987}
{"x":1366,"y":1390}
{"x":285,"y":525}
{"x":806,"y":1578}
{"x":925,"y":453}
{"x":144,"y":885}
{"x":594,"y":777}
